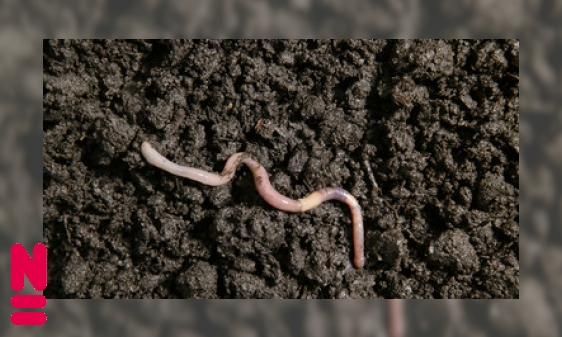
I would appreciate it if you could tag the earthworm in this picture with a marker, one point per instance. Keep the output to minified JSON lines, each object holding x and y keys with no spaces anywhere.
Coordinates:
{"x":267,"y":192}
{"x":396,"y":321}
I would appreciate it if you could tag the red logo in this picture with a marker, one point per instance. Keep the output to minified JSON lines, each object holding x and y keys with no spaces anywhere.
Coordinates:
{"x":21,"y":264}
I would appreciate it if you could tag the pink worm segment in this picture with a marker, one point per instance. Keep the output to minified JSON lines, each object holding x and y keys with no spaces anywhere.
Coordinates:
{"x":396,"y":321}
{"x":267,"y":192}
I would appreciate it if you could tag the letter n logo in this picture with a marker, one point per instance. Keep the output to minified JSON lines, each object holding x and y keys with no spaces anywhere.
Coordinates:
{"x":35,"y":268}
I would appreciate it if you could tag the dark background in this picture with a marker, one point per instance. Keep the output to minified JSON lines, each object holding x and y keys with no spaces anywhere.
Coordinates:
{"x":24,"y":24}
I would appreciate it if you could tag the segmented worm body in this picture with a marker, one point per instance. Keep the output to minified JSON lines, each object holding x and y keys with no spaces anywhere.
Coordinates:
{"x":268,"y":193}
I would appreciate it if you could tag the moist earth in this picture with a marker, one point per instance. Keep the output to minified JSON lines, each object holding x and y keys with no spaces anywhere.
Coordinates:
{"x":423,"y":133}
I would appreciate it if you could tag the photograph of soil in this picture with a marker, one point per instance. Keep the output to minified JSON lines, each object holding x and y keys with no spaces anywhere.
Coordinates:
{"x":423,"y":133}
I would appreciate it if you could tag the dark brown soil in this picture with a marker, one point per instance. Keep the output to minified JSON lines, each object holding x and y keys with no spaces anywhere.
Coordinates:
{"x":423,"y":133}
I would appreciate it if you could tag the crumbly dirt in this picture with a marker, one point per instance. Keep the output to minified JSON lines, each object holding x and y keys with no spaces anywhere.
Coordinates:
{"x":423,"y":133}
